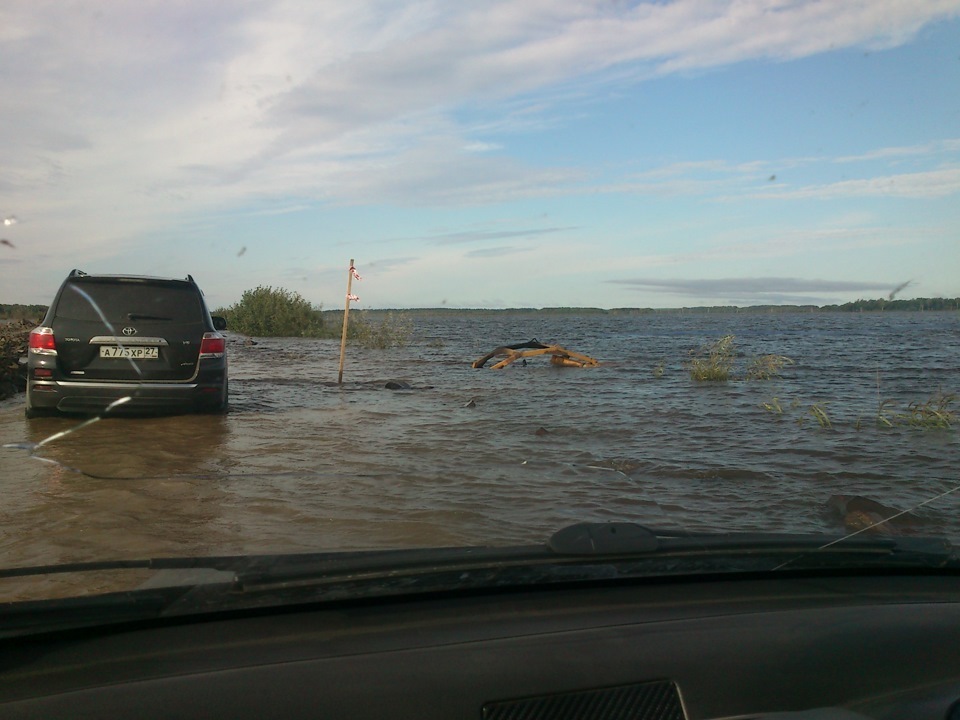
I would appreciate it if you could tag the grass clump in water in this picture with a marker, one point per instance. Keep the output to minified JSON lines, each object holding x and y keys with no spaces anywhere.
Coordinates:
{"x":934,"y":414}
{"x":773,"y":406}
{"x":713,"y":363}
{"x":820,"y":413}
{"x":767,"y":367}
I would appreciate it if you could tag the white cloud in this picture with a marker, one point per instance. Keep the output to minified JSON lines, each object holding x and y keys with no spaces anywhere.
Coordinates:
{"x":496,"y":252}
{"x":899,"y":152}
{"x":481,"y":147}
{"x":752,"y":285}
{"x":120,"y":118}
{"x":919,"y":185}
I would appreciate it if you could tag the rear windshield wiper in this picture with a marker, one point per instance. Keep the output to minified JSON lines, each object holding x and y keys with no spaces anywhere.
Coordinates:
{"x":142,"y":316}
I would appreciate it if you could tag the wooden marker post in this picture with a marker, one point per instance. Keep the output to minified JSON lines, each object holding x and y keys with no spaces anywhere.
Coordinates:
{"x":346,"y":314}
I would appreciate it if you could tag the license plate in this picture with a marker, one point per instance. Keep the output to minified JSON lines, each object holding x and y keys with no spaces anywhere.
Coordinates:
{"x":134,"y":353}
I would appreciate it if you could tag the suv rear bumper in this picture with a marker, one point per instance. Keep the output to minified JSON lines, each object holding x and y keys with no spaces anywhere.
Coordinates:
{"x":92,"y":397}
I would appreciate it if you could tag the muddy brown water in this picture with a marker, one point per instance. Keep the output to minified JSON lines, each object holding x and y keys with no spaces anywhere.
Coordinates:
{"x":476,"y":456}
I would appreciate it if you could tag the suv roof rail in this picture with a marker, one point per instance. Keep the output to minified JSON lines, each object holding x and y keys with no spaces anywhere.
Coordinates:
{"x":75,"y":273}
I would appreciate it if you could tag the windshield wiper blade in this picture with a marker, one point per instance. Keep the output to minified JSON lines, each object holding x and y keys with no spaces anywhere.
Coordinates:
{"x":174,"y":563}
{"x":581,"y":553}
{"x":579,"y":543}
{"x":797,"y":550}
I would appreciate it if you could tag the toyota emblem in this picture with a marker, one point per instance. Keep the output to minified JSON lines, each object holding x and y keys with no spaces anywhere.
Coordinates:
{"x":128,"y":331}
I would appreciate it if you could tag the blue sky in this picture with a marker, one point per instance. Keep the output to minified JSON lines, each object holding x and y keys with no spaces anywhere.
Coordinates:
{"x":486,"y":154}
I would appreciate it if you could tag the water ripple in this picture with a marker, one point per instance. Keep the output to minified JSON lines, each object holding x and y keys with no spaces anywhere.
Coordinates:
{"x":302,"y":462}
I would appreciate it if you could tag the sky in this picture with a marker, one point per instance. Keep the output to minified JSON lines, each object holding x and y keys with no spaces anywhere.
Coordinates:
{"x":485,"y":154}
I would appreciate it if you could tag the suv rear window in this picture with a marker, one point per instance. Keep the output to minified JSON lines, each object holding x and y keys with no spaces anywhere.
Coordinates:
{"x":125,"y":301}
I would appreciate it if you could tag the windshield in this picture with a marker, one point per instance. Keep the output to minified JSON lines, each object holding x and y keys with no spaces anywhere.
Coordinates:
{"x":487,"y":270}
{"x":120,"y":302}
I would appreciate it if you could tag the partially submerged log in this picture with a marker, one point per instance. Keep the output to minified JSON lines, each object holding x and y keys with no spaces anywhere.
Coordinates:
{"x":559,"y":355}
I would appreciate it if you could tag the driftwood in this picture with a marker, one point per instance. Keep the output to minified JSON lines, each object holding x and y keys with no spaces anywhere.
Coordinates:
{"x":559,"y":355}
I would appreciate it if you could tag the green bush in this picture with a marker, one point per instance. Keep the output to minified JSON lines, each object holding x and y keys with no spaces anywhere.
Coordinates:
{"x":274,"y":312}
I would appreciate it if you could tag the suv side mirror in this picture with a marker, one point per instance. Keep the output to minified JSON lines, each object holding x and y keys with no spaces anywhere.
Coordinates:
{"x":219,"y":323}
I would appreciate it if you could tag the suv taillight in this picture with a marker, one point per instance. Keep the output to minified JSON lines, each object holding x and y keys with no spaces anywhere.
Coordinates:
{"x":213,"y":345}
{"x":42,"y":341}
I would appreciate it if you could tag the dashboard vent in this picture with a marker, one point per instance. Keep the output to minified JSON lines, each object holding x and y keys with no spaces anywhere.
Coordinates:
{"x":644,"y":701}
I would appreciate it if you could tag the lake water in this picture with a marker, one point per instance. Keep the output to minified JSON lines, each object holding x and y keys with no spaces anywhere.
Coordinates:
{"x":481,"y":456}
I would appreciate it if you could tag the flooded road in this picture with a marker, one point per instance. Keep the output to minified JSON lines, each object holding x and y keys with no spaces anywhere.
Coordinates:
{"x":497,"y":457}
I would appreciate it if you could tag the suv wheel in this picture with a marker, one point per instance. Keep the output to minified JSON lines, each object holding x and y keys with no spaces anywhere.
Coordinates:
{"x":32,"y":413}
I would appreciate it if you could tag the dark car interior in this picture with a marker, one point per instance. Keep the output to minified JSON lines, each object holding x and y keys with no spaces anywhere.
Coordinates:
{"x":801,"y":645}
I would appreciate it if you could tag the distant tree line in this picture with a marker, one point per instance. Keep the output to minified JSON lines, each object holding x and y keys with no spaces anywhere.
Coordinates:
{"x":17,"y":311}
{"x":883,"y":305}
{"x":269,"y":311}
{"x":917,"y":304}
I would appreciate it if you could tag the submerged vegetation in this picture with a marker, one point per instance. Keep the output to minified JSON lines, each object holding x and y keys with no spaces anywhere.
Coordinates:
{"x":818,"y":410}
{"x":773,"y":406}
{"x":935,"y":413}
{"x":820,"y":413}
{"x":714,"y":363}
{"x":767,"y":367}
{"x":658,"y":368}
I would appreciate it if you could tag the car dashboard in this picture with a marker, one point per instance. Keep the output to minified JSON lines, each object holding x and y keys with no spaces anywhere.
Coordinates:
{"x":798,"y":646}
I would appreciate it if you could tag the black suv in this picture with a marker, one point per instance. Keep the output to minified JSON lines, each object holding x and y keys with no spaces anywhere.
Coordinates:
{"x":127,"y":342}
